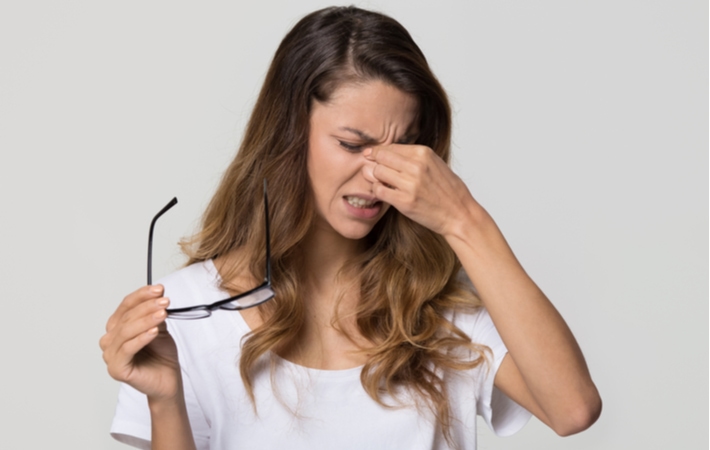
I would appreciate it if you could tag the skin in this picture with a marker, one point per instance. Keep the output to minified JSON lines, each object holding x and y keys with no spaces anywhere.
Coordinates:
{"x":360,"y":146}
{"x":139,"y":351}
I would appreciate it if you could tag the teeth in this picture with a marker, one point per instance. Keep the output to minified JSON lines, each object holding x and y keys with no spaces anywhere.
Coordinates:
{"x":360,"y":202}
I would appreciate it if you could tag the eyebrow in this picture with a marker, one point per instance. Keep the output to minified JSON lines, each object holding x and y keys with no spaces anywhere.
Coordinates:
{"x":367,"y":139}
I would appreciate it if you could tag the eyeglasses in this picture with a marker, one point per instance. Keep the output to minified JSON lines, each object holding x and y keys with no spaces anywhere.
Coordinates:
{"x":248,"y":299}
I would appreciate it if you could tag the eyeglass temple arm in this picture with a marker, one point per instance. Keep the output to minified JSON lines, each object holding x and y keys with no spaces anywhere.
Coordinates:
{"x":267,"y":237}
{"x":170,"y":204}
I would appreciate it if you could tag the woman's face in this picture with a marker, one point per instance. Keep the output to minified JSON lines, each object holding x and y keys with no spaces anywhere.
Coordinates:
{"x":357,"y":116}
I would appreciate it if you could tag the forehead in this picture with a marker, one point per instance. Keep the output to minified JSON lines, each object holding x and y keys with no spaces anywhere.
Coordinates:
{"x":375,"y":107}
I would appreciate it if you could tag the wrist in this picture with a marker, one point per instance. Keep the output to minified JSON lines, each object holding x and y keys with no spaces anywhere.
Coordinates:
{"x":163,"y":405}
{"x":167,"y":404}
{"x":479,"y":243}
{"x":170,"y":423}
{"x":471,"y":225}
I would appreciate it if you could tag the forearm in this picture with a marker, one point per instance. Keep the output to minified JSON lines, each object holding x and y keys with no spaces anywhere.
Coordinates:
{"x":547,"y":373}
{"x":538,"y":339}
{"x":170,"y":425}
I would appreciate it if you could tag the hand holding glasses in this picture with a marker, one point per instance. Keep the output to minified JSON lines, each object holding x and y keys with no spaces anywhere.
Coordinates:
{"x":248,"y":299}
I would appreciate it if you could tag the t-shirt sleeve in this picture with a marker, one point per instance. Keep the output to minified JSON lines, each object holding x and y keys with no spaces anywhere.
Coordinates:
{"x":131,"y":422}
{"x":499,"y":411}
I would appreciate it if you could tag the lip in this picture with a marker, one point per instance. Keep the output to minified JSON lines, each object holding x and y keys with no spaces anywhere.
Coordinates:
{"x":367,"y":197}
{"x":363,"y":213}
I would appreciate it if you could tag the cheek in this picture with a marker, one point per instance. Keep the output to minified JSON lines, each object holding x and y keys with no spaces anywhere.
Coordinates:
{"x":328,"y":165}
{"x":320,"y":174}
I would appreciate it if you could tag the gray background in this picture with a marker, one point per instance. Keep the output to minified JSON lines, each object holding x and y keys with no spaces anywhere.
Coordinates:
{"x":581,"y":126}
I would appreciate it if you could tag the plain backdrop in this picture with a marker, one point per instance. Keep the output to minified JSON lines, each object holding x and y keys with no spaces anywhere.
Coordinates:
{"x":581,"y":126}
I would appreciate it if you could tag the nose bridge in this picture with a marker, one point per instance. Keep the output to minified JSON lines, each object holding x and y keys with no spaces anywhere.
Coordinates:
{"x":365,"y":162}
{"x":390,"y":134}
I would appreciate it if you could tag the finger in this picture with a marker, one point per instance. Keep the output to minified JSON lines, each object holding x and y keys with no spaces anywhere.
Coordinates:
{"x":132,"y":346}
{"x":391,"y":177}
{"x":133,"y":328}
{"x":120,"y":362}
{"x":139,"y":296}
{"x":395,"y":197}
{"x":132,"y":299}
{"x":142,"y":317}
{"x":406,"y":150}
{"x":367,"y":169}
{"x":149,"y":306}
{"x":402,"y":158}
{"x":118,"y":320}
{"x":126,"y":331}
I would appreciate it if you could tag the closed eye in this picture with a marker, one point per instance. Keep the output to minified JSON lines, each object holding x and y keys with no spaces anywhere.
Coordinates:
{"x":350,"y":147}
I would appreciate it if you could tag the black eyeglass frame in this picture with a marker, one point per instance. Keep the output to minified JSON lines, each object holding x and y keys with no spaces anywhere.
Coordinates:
{"x":228,"y":303}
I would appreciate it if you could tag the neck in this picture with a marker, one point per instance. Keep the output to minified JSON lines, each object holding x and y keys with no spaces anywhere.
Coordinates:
{"x":321,"y":343}
{"x":325,"y":254}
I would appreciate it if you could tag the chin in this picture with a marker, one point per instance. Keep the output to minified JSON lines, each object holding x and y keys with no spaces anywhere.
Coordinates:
{"x":355,"y":229}
{"x":355,"y":233}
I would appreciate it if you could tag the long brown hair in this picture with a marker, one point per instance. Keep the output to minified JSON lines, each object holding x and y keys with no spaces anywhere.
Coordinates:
{"x":408,"y":274}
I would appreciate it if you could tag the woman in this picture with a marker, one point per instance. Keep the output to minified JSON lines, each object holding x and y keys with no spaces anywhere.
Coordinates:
{"x":375,"y":337}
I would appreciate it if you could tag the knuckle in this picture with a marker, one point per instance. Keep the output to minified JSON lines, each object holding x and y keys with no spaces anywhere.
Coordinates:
{"x":411,"y":199}
{"x":103,"y":342}
{"x":113,"y":373}
{"x":129,"y":314}
{"x":127,"y":299}
{"x":422,"y":166}
{"x":417,"y":167}
{"x":110,"y":324}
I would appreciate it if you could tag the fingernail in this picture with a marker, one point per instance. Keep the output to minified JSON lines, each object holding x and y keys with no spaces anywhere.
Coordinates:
{"x":157,"y":289}
{"x":163,"y":302}
{"x":367,"y":152}
{"x":160,"y":314}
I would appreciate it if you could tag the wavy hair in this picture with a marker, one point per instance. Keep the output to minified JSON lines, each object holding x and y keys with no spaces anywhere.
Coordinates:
{"x":407,"y":276}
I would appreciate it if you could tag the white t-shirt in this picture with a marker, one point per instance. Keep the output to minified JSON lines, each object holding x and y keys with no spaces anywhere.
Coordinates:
{"x":303,"y":408}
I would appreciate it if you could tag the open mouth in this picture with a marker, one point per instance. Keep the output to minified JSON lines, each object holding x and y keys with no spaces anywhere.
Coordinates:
{"x":361,"y":203}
